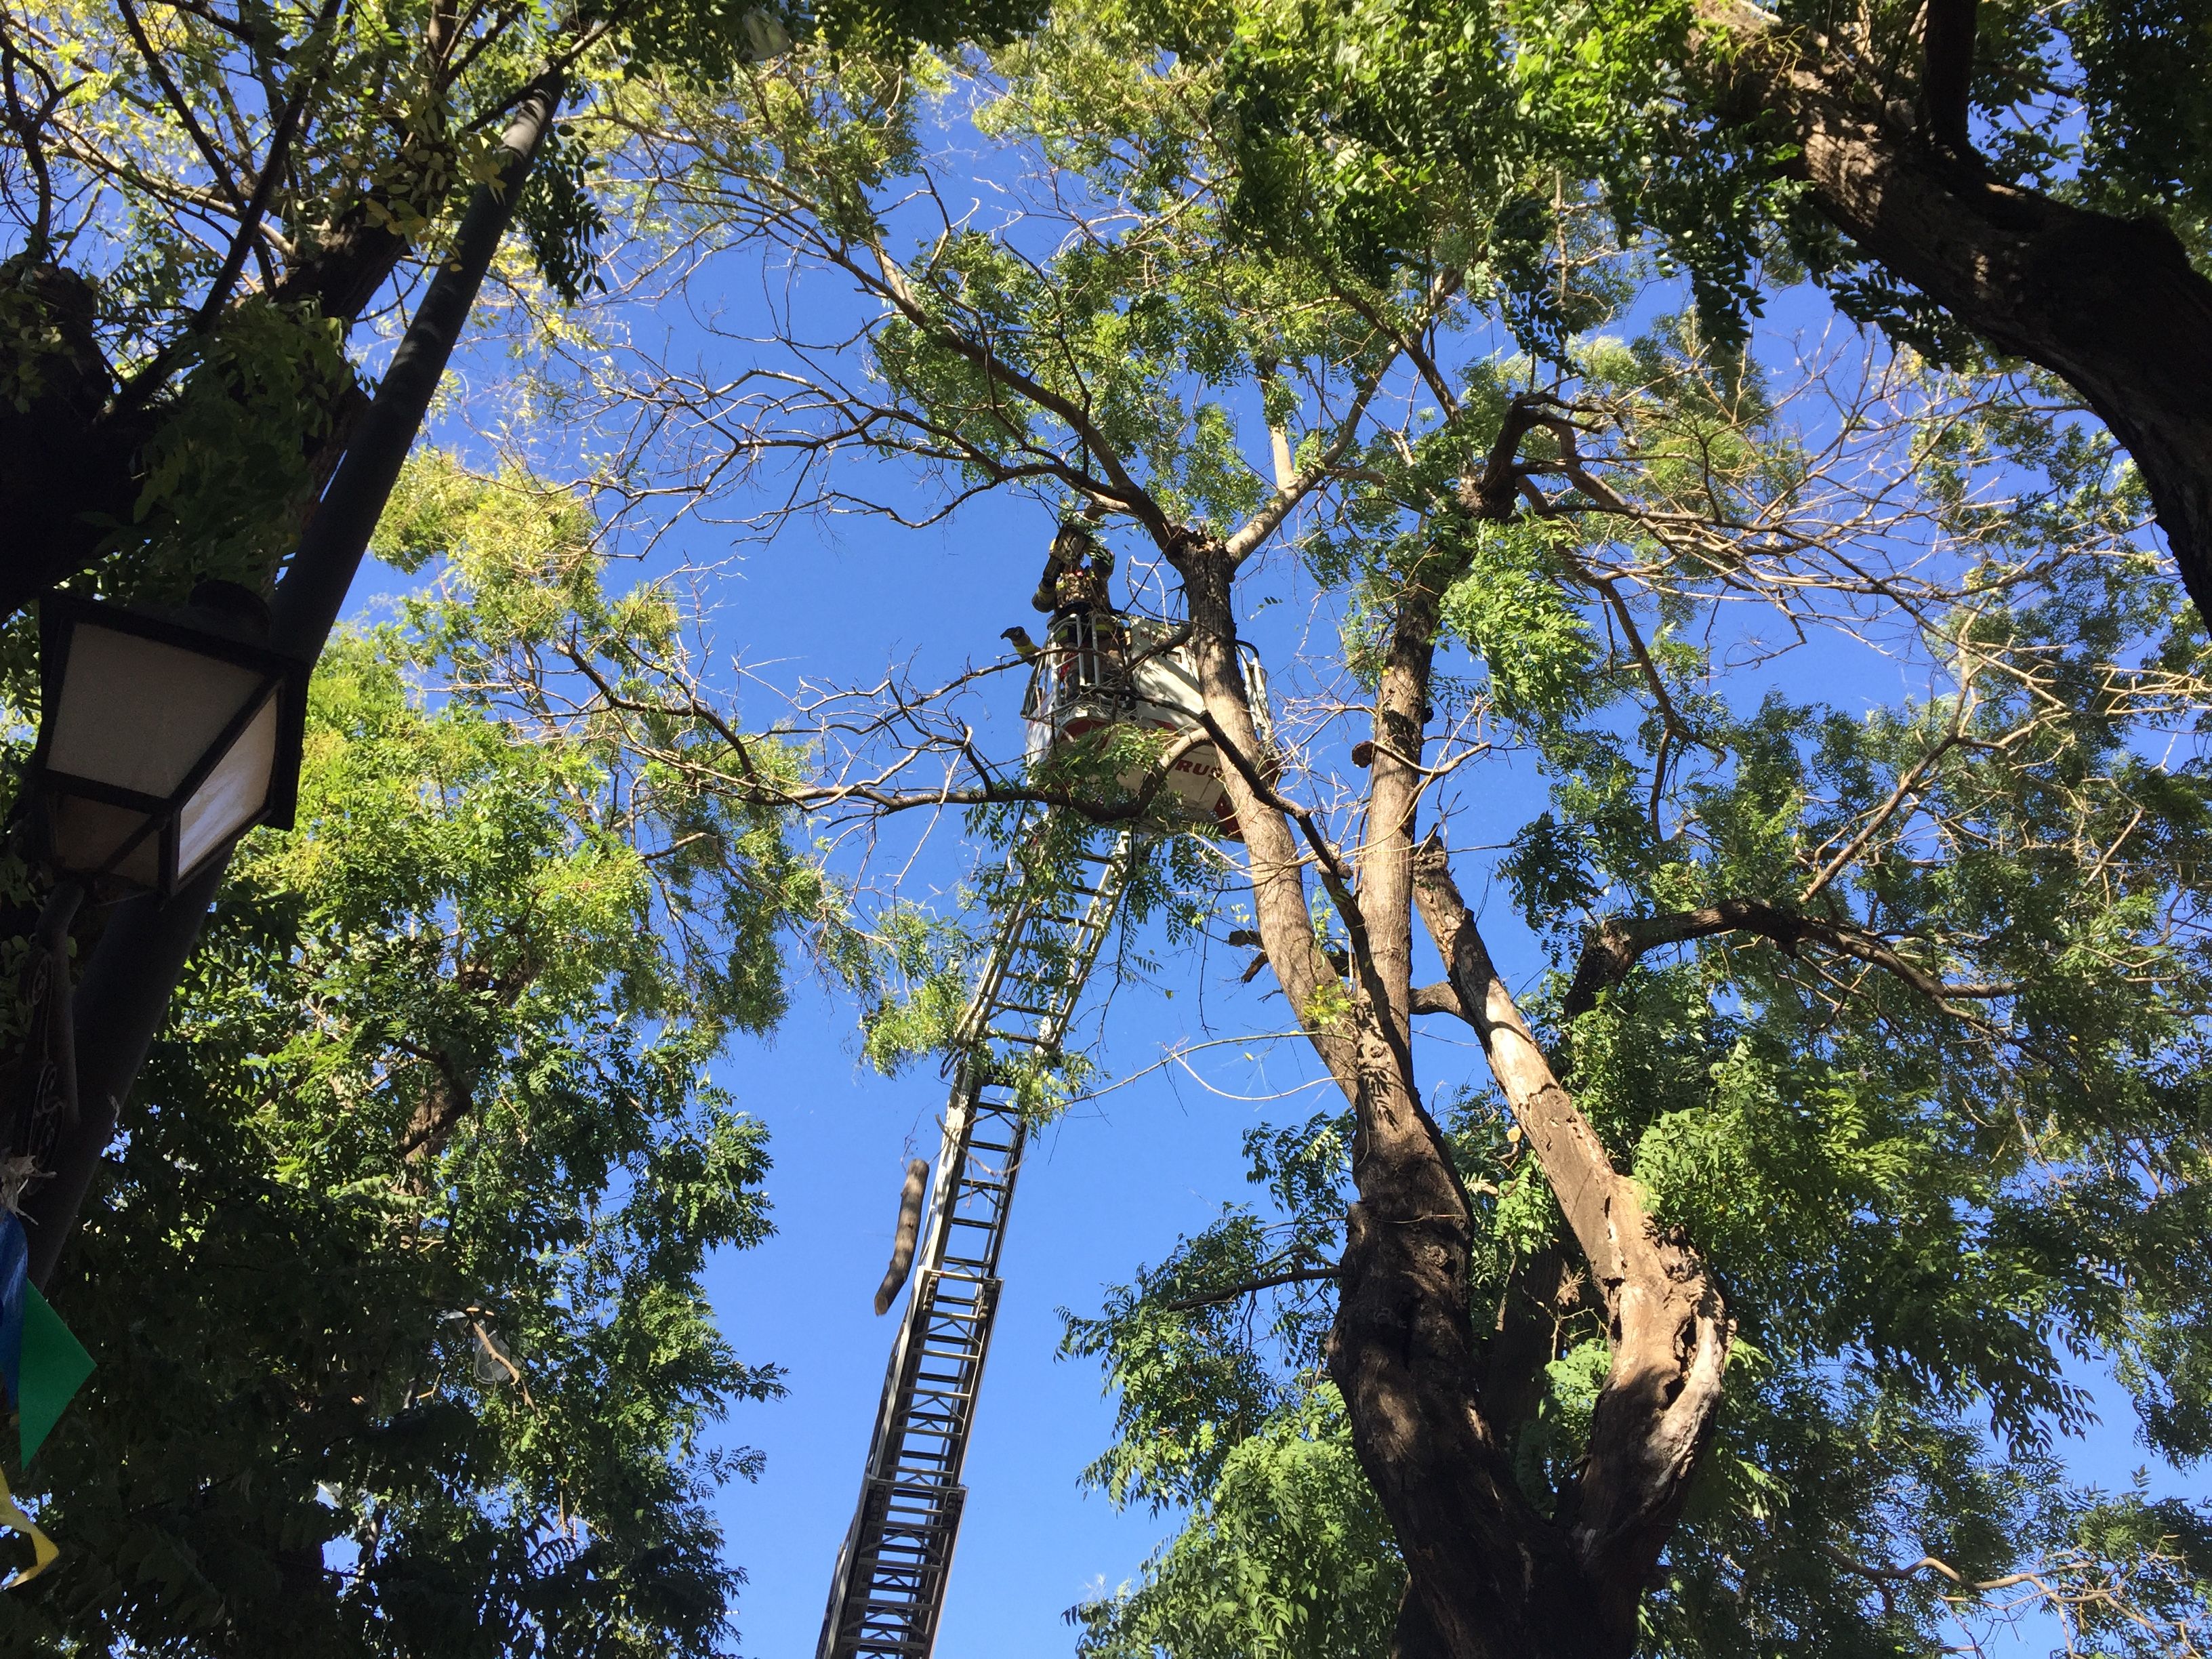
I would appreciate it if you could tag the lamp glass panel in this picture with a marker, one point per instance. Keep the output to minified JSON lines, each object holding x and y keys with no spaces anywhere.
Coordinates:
{"x":232,"y":796}
{"x":86,"y":833}
{"x":137,"y":714}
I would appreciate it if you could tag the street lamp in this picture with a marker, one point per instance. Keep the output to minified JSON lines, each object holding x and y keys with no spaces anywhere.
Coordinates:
{"x":165,"y":737}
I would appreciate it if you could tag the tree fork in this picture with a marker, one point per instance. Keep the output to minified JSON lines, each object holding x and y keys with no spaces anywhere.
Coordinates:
{"x":1616,"y":945}
{"x":2111,"y":306}
{"x":1488,"y":1578}
{"x":1666,"y":1320}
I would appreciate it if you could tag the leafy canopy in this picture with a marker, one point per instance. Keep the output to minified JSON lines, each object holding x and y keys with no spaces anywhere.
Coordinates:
{"x":395,"y":1288}
{"x":1871,"y":643}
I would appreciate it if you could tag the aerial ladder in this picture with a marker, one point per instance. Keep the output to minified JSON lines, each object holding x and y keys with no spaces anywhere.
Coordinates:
{"x":892,"y":1573}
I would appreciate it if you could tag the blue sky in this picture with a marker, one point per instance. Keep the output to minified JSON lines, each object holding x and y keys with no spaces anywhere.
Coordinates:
{"x":1111,"y":1185}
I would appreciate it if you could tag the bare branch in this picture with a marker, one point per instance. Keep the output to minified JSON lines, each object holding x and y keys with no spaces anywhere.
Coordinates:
{"x":1252,"y":1287}
{"x":1617,"y":944}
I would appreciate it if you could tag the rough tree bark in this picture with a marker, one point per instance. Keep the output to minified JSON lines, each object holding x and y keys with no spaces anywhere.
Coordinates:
{"x":2111,"y":306}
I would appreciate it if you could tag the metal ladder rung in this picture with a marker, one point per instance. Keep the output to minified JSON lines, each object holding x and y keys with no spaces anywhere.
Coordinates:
{"x":920,"y":1466}
{"x":935,"y":1468}
{"x":1030,"y":987}
{"x":948,"y":1343}
{"x":943,"y":1423}
{"x":958,"y":1315}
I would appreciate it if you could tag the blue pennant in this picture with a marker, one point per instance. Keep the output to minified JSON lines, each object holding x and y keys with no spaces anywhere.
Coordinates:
{"x":15,"y":1292}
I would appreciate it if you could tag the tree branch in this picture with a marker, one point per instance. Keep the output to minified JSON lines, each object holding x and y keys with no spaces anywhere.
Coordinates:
{"x":245,"y":240}
{"x":201,"y":142}
{"x":1909,"y":785}
{"x":1438,"y":999}
{"x":889,"y":281}
{"x":1492,"y":495}
{"x":1883,"y":1573}
{"x":1947,"y":76}
{"x":264,"y":183}
{"x":1252,"y":1287}
{"x":1616,"y":945}
{"x":1249,"y":535}
{"x":2112,"y":305}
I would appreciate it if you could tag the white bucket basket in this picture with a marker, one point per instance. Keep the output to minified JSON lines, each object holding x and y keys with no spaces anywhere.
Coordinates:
{"x":1083,"y":682}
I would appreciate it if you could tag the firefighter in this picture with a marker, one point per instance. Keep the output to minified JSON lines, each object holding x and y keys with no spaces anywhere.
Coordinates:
{"x":1076,"y":573}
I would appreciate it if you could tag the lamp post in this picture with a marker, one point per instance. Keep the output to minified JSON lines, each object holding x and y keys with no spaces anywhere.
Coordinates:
{"x":124,"y":992}
{"x":164,"y":737}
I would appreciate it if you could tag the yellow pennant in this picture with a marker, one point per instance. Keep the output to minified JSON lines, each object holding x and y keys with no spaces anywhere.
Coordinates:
{"x":43,"y":1553}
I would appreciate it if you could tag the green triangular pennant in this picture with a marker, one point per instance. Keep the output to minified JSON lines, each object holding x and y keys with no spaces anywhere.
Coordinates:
{"x":55,"y":1365}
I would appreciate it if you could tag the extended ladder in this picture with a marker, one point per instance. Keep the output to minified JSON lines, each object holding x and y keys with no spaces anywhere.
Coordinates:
{"x":892,"y":1573}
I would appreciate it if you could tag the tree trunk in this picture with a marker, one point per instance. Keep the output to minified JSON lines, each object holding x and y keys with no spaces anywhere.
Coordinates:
{"x":2111,"y":306}
{"x":65,"y":474}
{"x":1488,"y":1576}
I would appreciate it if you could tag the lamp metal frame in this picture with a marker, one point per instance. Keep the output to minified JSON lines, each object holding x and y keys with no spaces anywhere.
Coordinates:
{"x":283,"y":676}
